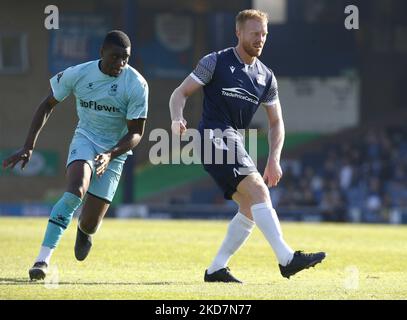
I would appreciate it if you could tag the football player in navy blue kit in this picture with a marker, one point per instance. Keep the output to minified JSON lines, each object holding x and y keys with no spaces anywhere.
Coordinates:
{"x":235,"y":83}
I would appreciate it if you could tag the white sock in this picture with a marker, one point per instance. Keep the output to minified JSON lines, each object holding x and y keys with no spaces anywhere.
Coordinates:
{"x":266,"y":219}
{"x":239,"y":230}
{"x":44,"y":255}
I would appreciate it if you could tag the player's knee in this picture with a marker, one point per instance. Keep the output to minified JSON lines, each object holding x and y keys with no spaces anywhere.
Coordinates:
{"x":79,"y":191}
{"x":259,"y":192}
{"x":78,"y":188}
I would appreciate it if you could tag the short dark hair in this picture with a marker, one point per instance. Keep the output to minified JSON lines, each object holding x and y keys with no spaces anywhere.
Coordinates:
{"x":118,"y":38}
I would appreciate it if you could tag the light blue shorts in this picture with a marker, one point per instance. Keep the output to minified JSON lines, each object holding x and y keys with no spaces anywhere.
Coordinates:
{"x":104,"y":187}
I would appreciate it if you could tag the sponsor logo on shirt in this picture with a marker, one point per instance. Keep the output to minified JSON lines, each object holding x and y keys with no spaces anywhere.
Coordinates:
{"x":97,"y":107}
{"x":113,"y":90}
{"x":240,"y":93}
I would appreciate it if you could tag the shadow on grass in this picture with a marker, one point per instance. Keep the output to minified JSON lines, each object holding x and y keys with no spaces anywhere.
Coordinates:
{"x":24,"y":281}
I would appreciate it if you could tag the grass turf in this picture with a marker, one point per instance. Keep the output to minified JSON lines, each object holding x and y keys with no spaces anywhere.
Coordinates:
{"x":155,"y":259}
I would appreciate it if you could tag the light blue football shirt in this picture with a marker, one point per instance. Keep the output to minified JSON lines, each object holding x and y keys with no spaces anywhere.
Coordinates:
{"x":103,"y":103}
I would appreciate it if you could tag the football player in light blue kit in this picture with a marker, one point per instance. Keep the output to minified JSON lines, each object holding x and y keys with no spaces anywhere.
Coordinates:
{"x":111,"y":103}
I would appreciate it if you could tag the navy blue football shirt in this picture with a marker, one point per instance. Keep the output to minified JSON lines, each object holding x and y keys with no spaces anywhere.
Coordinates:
{"x":233,"y":90}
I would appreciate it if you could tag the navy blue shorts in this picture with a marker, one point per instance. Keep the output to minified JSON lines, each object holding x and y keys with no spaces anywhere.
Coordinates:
{"x":225,"y":158}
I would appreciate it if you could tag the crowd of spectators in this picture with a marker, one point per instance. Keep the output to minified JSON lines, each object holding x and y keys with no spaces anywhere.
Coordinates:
{"x":361,"y":180}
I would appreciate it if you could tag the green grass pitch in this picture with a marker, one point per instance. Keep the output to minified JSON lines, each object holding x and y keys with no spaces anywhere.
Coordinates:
{"x":156,"y":259}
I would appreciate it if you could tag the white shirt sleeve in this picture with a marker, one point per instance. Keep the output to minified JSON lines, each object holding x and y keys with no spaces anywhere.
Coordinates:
{"x":272,"y":94}
{"x":63,"y":82}
{"x":138,"y":104}
{"x":204,"y":70}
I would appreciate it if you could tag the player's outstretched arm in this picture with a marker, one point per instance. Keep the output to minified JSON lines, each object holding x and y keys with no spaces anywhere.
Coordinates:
{"x":41,"y":116}
{"x":129,"y":141}
{"x":177,"y":104}
{"x":276,"y":134}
